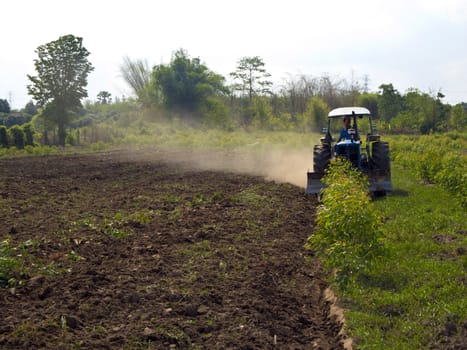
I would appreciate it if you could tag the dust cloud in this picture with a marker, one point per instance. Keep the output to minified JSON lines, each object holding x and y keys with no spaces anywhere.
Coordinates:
{"x":281,"y":165}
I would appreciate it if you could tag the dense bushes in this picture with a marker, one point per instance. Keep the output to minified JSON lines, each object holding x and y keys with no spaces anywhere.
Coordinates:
{"x":16,"y":118}
{"x":17,"y":136}
{"x":435,"y":159}
{"x":348,"y":228}
{"x":4,"y":137}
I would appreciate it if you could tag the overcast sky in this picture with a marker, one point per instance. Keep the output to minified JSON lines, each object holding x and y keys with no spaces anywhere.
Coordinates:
{"x":409,"y":43}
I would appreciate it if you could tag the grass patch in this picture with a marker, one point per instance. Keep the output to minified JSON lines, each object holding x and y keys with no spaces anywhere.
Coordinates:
{"x":198,"y":250}
{"x":116,"y":226}
{"x":250,"y":197}
{"x":414,"y":297}
{"x":169,"y":135}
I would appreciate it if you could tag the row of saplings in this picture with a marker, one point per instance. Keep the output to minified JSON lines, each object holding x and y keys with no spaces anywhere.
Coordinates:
{"x":348,"y":233}
{"x":16,"y":136}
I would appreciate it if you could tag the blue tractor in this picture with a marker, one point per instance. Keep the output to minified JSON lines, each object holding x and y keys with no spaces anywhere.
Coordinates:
{"x":371,"y":155}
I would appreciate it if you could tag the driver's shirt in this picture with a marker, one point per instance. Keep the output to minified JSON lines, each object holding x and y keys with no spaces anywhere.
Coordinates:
{"x":346,"y":136}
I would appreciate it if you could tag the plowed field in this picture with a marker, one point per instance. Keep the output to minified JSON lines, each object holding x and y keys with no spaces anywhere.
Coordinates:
{"x":117,"y":250}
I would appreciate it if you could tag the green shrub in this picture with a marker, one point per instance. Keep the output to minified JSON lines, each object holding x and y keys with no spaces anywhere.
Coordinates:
{"x":28,"y":134}
{"x":17,"y":264}
{"x":348,"y":228}
{"x":3,"y":136}
{"x":8,"y":263}
{"x":435,"y":159}
{"x":17,"y":136}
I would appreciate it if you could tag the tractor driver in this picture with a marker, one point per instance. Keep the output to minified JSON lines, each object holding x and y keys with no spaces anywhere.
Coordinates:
{"x":345,"y":134}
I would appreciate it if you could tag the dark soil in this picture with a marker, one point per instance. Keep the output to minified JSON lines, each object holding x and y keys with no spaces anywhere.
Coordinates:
{"x":116,"y":251}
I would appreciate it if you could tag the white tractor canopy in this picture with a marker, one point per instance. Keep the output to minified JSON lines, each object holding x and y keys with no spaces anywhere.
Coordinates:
{"x":348,"y":111}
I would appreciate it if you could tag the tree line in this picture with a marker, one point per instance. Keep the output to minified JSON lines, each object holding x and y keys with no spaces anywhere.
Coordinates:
{"x":186,"y":89}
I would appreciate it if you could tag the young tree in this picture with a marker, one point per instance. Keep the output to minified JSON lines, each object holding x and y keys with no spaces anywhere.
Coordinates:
{"x":138,"y":76}
{"x":62,"y":72}
{"x":104,"y":97}
{"x":252,"y":76}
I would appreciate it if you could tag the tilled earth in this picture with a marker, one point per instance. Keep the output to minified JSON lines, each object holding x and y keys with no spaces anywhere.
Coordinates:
{"x":116,"y":251}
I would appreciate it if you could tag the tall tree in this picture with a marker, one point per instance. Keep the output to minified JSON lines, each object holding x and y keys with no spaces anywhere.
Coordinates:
{"x":252,"y":77}
{"x":30,"y":108}
{"x":186,"y":83}
{"x":389,"y":102}
{"x":62,"y":72}
{"x":458,"y":118}
{"x":4,"y":106}
{"x":370,"y":101}
{"x":422,"y":112}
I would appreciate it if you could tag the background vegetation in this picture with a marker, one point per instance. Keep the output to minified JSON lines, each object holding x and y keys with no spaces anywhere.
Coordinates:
{"x":186,"y":91}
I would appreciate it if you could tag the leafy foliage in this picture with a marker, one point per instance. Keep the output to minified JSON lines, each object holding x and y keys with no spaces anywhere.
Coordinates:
{"x":17,"y":264}
{"x":8,"y":263}
{"x":458,"y":120}
{"x":28,"y":134}
{"x":4,"y":106}
{"x":30,"y":108}
{"x":186,"y":83}
{"x":316,"y":112}
{"x":17,"y":136}
{"x":435,"y":159}
{"x":104,"y":97}
{"x":62,"y":71}
{"x":389,"y":102}
{"x":214,"y":113}
{"x":348,"y":231}
{"x":15,"y":118}
{"x":3,"y":136}
{"x":252,"y":77}
{"x":370,"y":101}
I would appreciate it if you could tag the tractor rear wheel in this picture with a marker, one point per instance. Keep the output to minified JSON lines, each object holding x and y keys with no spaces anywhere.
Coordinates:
{"x":380,"y":160}
{"x":321,"y":158}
